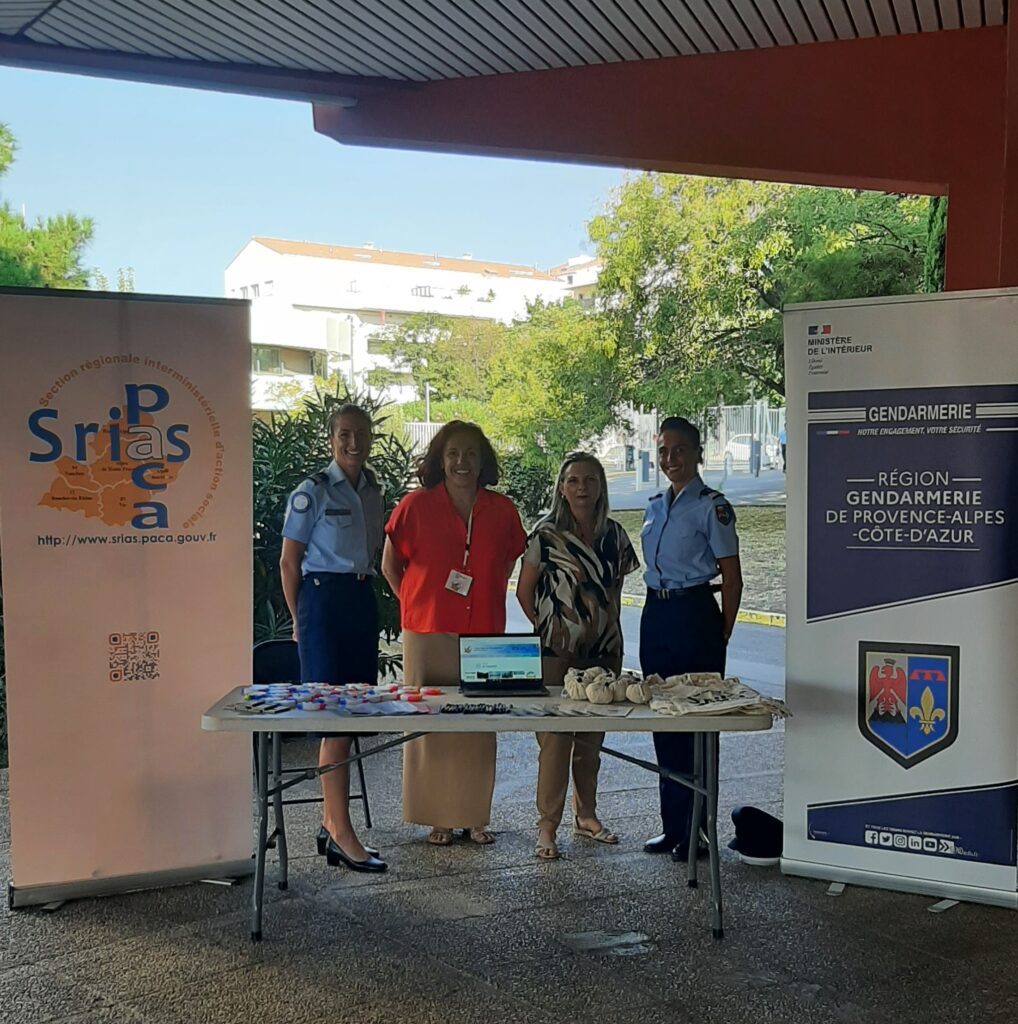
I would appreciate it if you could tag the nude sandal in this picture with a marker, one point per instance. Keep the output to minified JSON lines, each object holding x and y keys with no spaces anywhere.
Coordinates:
{"x":439,"y":836}
{"x":481,"y":836}
{"x":604,"y":835}
{"x":546,"y":851}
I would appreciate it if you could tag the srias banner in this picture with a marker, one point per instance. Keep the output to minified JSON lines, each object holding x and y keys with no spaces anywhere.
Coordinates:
{"x":125,"y":535}
{"x":901,"y":763}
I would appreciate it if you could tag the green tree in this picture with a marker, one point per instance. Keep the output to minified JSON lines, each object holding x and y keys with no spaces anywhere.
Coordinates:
{"x":697,"y":271}
{"x":452,"y":354}
{"x":936,"y":243}
{"x":555,"y":382}
{"x":47,"y":253}
{"x":442,"y":410}
{"x":125,"y":279}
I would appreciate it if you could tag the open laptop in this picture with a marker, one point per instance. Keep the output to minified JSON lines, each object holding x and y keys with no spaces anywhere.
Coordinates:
{"x":501,"y":665}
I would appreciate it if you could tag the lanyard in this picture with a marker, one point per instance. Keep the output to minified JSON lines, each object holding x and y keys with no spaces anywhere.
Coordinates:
{"x":470,"y":530}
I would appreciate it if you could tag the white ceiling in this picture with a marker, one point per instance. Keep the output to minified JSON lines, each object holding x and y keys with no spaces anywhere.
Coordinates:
{"x":423,"y":40}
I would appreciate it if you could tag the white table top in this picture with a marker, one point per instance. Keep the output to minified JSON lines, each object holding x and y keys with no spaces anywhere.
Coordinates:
{"x":639,"y":719}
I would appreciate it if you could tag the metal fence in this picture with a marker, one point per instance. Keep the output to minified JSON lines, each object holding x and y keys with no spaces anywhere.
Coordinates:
{"x":728,"y":433}
{"x":420,"y":434}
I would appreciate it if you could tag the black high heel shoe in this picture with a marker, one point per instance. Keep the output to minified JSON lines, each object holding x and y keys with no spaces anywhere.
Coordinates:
{"x":334,"y":856}
{"x":323,"y":838}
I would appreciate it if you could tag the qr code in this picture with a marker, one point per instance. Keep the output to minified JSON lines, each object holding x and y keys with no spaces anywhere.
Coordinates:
{"x":134,"y":657}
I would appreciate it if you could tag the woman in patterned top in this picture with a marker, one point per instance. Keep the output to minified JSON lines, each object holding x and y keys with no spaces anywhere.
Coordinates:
{"x":570,"y":588}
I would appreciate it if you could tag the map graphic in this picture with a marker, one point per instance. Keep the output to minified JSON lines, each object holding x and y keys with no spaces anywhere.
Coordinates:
{"x":102,"y":488}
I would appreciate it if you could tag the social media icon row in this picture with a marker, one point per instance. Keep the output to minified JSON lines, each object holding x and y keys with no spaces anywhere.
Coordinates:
{"x":915,"y":844}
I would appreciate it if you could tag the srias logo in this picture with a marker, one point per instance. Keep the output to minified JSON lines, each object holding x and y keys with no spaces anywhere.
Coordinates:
{"x":115,"y":467}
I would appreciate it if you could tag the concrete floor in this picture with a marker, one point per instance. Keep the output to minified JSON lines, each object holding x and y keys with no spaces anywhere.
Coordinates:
{"x":465,"y":934}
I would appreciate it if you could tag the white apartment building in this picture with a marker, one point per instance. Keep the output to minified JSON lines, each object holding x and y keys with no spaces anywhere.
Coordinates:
{"x":318,"y":309}
{"x":578,"y":276}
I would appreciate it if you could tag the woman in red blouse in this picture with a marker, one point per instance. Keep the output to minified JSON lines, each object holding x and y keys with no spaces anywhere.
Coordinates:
{"x":449,"y":551}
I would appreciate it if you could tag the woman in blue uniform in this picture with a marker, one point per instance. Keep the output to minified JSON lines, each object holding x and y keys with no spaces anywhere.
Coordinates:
{"x":332,"y":534}
{"x":688,"y":538}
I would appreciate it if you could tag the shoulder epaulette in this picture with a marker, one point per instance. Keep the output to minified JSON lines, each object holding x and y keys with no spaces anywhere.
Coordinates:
{"x":319,"y":478}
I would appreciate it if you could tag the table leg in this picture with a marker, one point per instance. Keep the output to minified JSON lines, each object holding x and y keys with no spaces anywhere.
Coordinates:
{"x":262,"y":789}
{"x":694,"y":831}
{"x":711,"y":757}
{"x":277,"y":808}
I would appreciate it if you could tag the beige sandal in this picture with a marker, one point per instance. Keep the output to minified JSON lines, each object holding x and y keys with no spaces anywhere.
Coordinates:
{"x":603,"y":835}
{"x":481,"y":835}
{"x":545,"y":850}
{"x":440,"y":836}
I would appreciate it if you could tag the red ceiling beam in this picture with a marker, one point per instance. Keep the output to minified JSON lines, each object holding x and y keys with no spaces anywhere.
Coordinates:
{"x":922,"y":113}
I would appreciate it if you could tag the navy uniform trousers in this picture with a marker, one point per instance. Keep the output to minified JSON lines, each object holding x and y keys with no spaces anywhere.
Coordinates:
{"x":337,"y":629}
{"x":680,"y":634}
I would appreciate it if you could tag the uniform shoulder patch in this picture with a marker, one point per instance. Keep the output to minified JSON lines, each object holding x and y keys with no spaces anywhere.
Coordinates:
{"x":301,"y":501}
{"x":725,"y":513}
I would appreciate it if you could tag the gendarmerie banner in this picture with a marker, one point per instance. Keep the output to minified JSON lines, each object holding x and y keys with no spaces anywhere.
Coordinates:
{"x":902,"y":758}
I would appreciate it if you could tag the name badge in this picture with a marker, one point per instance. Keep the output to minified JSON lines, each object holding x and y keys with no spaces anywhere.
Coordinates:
{"x":459,"y":583}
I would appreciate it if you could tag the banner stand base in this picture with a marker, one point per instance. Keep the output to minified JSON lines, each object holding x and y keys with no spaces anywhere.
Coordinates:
{"x":896,"y":883}
{"x":35,"y":895}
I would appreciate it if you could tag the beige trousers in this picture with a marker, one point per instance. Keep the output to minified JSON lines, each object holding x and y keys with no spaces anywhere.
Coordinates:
{"x":561,"y":752}
{"x":448,"y":778}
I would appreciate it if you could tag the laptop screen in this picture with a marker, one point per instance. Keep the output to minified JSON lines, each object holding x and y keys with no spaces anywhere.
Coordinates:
{"x":490,"y":658}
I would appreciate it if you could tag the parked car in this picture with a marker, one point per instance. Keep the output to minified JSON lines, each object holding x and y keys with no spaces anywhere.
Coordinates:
{"x":739,"y":446}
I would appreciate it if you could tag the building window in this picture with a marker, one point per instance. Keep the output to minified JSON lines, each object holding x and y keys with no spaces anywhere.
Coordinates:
{"x":268,"y":288}
{"x":422,"y":291}
{"x":243,"y":292}
{"x":266,"y":360}
{"x":269,"y":359}
{"x":255,"y":291}
{"x":353,"y":286}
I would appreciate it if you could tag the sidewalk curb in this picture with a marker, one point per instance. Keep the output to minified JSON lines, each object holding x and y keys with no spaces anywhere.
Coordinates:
{"x":745,"y":615}
{"x":776,"y":619}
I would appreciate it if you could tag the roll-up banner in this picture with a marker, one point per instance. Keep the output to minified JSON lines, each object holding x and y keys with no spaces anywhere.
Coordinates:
{"x":902,"y":663}
{"x":125,"y":534}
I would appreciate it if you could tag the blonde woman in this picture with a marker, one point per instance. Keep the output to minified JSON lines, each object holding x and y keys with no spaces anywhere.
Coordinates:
{"x":570,"y":588}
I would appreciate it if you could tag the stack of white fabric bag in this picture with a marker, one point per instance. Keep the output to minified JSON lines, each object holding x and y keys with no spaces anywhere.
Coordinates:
{"x":693,"y":693}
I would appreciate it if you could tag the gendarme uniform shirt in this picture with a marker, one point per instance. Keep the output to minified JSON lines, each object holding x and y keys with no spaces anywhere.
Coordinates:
{"x":683,"y":539}
{"x":340,"y":526}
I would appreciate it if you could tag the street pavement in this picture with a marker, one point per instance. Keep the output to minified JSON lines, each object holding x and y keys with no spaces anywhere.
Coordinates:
{"x":740,"y":488}
{"x":480,"y":935}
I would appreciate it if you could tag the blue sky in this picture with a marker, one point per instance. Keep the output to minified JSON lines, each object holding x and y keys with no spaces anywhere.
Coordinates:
{"x":178,"y":179}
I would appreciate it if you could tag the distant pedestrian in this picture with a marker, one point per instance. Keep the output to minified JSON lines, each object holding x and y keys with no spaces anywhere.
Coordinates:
{"x":782,"y":442}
